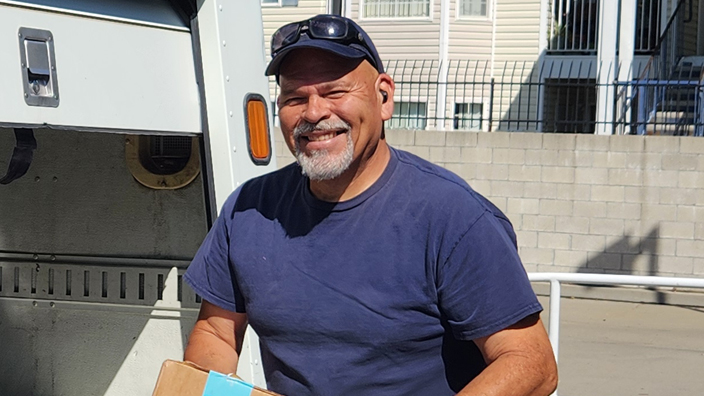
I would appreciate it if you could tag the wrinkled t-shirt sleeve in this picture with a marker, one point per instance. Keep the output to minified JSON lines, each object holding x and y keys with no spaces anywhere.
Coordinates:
{"x":482,"y":286}
{"x":210,"y":274}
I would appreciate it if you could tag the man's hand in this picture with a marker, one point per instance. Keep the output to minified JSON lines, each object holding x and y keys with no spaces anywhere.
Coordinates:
{"x":216,"y":340}
{"x":520,"y":362}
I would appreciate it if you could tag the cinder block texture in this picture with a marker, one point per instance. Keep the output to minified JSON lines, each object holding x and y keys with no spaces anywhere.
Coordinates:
{"x":617,"y":210}
{"x":401,"y":137}
{"x":607,"y":159}
{"x":538,"y":223}
{"x":591,"y":175}
{"x":606,"y":261}
{"x":699,"y":266}
{"x":680,"y":162}
{"x":691,"y":145}
{"x":627,"y":143}
{"x":541,"y":157}
{"x":524,"y":173}
{"x":662,"y":144}
{"x":430,"y":138}
{"x":456,"y":139}
{"x":570,"y":258}
{"x":560,"y":142}
{"x":526,"y":140}
{"x":608,"y":193}
{"x":554,"y":174}
{"x":508,"y":156}
{"x":537,"y":189}
{"x":588,"y":203}
{"x":494,"y":140}
{"x":445,"y":154}
{"x":572,"y":224}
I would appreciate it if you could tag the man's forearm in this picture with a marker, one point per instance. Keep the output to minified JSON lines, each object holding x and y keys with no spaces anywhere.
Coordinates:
{"x":515,"y":375}
{"x":209,"y":351}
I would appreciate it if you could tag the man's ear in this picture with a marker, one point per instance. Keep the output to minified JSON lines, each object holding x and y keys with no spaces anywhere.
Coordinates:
{"x":386,"y":88}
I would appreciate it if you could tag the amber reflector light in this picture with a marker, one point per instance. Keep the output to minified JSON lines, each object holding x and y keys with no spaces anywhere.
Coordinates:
{"x":258,"y":131}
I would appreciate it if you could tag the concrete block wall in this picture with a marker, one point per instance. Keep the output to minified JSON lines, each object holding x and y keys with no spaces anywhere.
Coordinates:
{"x":582,"y":203}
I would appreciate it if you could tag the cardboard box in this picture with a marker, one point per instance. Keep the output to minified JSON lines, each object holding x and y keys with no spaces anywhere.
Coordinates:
{"x":187,"y":379}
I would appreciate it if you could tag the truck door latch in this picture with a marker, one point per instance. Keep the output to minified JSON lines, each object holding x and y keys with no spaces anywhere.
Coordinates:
{"x":38,"y":62}
{"x":21,"y":156}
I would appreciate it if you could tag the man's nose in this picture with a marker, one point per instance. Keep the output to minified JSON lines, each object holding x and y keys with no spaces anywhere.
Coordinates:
{"x":317,"y":109}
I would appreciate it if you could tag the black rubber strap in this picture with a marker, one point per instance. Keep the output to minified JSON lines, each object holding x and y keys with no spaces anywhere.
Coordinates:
{"x":21,"y":156}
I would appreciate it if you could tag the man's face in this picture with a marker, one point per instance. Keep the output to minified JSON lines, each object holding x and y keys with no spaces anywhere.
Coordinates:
{"x":330,"y":111}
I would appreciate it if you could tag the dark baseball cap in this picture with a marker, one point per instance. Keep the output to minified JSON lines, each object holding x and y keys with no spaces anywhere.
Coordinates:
{"x":332,"y":33}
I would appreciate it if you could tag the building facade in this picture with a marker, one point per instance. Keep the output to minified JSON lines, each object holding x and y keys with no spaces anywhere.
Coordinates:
{"x":583,"y":66}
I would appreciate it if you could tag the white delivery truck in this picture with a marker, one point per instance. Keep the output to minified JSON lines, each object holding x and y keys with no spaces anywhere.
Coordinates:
{"x":124,"y":125}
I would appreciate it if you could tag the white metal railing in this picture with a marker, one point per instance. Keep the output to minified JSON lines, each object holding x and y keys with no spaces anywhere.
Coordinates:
{"x":556,"y":279}
{"x":647,"y":25}
{"x":574,"y":26}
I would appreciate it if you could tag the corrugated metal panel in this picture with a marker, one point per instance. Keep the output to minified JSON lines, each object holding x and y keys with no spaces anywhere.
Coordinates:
{"x":93,"y":283}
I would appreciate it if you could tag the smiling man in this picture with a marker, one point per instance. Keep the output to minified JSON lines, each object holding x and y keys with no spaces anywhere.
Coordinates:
{"x":365,"y":270}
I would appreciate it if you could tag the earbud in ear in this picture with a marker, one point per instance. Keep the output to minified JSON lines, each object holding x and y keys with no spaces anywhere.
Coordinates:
{"x":385,"y":95}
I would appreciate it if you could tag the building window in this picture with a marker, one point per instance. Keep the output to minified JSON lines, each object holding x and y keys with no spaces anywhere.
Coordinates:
{"x":473,"y":8}
{"x":570,"y":105}
{"x":409,"y":115}
{"x":468,"y":116}
{"x":396,"y":8}
{"x":280,"y":3}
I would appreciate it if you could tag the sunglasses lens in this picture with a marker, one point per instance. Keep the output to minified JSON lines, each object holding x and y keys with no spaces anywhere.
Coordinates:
{"x":286,"y":35}
{"x":328,"y":28}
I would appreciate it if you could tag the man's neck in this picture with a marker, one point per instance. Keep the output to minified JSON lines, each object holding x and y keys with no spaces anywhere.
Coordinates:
{"x":355,"y":180}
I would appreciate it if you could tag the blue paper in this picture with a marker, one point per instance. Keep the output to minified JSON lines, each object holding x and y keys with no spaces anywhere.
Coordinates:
{"x":219,"y":384}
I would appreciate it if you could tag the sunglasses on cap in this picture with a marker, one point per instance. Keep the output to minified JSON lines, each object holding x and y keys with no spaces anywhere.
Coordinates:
{"x":322,"y":27}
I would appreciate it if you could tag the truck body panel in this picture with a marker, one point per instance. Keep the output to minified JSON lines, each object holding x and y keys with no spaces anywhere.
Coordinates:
{"x":92,"y":257}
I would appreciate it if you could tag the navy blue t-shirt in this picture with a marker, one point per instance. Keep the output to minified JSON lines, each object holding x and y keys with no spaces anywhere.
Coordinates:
{"x":379,"y":295}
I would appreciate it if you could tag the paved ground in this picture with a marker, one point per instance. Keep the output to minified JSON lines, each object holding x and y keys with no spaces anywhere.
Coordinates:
{"x":630,"y":349}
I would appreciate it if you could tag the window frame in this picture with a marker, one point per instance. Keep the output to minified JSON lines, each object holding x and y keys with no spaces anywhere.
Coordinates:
{"x":488,"y":17}
{"x":470,"y":101}
{"x":272,"y":4}
{"x":409,"y":100}
{"x":428,"y":18}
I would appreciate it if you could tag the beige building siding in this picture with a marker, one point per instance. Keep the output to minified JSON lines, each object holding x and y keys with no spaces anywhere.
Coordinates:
{"x":515,"y":64}
{"x":399,"y":38}
{"x":276,"y":16}
{"x":517,"y":30}
{"x":470,"y":38}
{"x":516,"y":95}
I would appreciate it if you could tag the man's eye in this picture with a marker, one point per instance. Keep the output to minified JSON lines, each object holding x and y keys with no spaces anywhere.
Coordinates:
{"x":293,"y":101}
{"x":336,"y":94}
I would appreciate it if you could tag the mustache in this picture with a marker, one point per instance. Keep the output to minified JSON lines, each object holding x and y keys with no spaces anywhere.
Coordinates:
{"x":324,"y":125}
